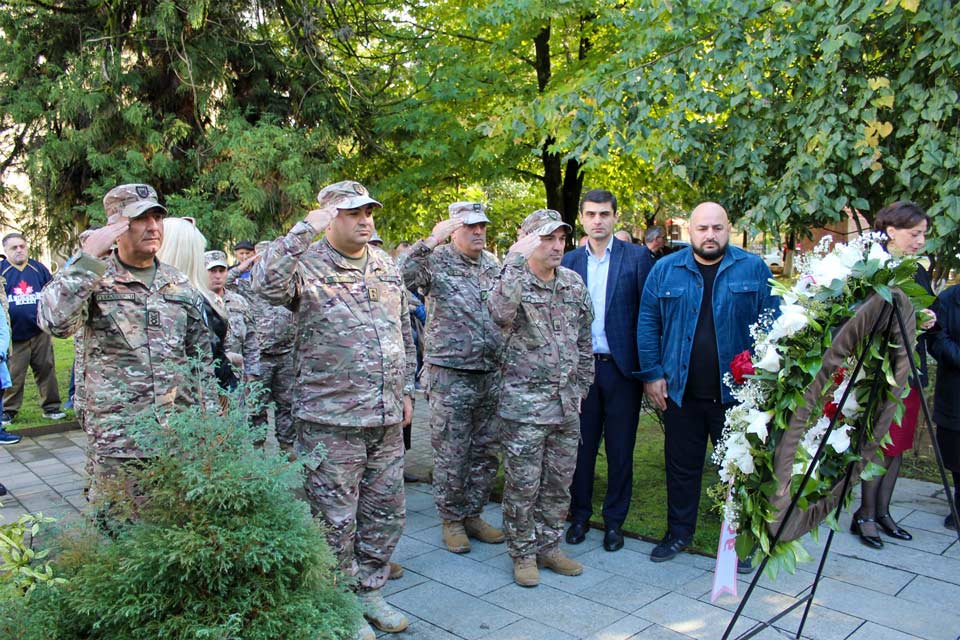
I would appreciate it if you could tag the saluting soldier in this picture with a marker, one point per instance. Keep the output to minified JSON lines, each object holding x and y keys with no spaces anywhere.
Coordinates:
{"x":545,"y":313}
{"x":275,"y":333}
{"x":242,"y":344}
{"x":355,"y":364}
{"x":462,"y":348}
{"x":139,"y":322}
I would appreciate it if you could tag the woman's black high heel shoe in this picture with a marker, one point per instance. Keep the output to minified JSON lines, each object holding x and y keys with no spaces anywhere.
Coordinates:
{"x":874,"y":542}
{"x":895,"y":531}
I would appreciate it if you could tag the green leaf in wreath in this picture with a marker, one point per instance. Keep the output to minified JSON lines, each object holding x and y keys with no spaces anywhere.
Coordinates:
{"x":790,"y":560}
{"x":744,"y":546}
{"x":884,"y":292}
{"x":770,"y":487}
{"x":774,"y":564}
{"x":872,"y":471}
{"x":800,"y":552}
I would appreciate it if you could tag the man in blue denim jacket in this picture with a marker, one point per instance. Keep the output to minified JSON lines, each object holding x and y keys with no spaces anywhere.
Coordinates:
{"x":685,"y":347}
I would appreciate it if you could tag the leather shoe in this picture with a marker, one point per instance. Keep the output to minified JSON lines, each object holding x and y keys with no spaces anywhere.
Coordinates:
{"x":874,"y":542}
{"x":668,"y":548}
{"x":577,"y":532}
{"x":895,"y":531}
{"x":613,"y":539}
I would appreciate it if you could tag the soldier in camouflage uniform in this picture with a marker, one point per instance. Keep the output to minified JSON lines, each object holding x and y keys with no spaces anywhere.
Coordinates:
{"x":242,"y":339}
{"x":355,"y":368}
{"x":545,"y":312}
{"x":139,"y":321}
{"x":462,"y":348}
{"x":275,"y":332}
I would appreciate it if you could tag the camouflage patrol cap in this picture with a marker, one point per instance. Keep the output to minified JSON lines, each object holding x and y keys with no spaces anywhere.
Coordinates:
{"x":375,"y":239}
{"x":215,"y":259}
{"x":131,"y":200}
{"x":543,"y":222}
{"x":469,"y":212}
{"x":347,"y":194}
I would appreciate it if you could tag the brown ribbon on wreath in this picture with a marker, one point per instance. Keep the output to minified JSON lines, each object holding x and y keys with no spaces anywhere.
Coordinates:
{"x":848,"y":341}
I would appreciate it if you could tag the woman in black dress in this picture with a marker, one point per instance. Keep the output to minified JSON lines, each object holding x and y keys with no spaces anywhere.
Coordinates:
{"x":944,"y":346}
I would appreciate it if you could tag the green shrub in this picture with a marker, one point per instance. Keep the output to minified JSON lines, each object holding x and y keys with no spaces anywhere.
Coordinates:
{"x":219,"y":549}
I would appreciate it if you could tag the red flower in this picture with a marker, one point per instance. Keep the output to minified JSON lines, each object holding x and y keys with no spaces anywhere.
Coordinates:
{"x":839,"y":375}
{"x":830,"y":409}
{"x":742,"y":366}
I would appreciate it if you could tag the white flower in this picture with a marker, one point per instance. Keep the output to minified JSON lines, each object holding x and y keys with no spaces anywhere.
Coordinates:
{"x":800,"y":289}
{"x":851,"y":408}
{"x":792,"y":319}
{"x":770,"y":360}
{"x":849,"y":254}
{"x":877,"y":252}
{"x":738,"y":453}
{"x":757,"y":423}
{"x":812,"y":438}
{"x":828,"y":269}
{"x":840,"y":438}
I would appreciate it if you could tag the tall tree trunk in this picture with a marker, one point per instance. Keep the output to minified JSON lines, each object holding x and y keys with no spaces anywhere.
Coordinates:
{"x":562,"y":180}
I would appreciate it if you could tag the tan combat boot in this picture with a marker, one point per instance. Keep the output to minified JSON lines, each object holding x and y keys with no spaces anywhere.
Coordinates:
{"x":558,"y":562}
{"x":525,"y":571}
{"x":455,"y":537}
{"x":478,"y":529}
{"x":396,"y":571}
{"x":380,"y":614}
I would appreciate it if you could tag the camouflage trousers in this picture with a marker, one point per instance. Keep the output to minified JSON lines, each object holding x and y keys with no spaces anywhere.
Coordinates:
{"x":277,"y":377}
{"x":113,"y":489}
{"x":465,"y":436}
{"x":538,"y":464}
{"x":356,"y":488}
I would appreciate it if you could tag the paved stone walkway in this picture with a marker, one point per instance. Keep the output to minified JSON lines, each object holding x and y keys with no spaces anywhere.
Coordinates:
{"x":907,"y":590}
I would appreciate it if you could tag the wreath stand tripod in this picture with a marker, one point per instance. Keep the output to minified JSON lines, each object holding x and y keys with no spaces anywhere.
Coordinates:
{"x":879,"y":382}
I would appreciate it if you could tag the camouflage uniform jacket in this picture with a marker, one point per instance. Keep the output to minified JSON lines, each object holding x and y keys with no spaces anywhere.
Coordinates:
{"x":460,"y":332}
{"x":242,"y":335}
{"x":548,"y":358}
{"x":136,"y":343}
{"x":354,"y":353}
{"x":274,"y":325}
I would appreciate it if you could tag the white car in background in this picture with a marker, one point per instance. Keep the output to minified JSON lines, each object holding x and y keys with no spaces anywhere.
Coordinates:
{"x":774,"y":260}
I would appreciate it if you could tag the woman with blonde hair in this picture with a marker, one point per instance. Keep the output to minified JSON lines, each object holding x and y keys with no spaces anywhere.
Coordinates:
{"x":183,"y":248}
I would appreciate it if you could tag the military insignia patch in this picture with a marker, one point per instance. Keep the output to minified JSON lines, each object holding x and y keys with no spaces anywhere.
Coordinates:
{"x":359,"y":189}
{"x":556,"y":325}
{"x":142,"y":191}
{"x":373,"y":294}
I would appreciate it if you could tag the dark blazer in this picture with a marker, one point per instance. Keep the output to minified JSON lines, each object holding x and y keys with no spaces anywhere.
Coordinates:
{"x":944,"y":345}
{"x":629,"y":266}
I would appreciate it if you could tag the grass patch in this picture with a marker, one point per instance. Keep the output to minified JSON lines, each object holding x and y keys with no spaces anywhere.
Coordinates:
{"x":648,"y":508}
{"x":30,"y":413}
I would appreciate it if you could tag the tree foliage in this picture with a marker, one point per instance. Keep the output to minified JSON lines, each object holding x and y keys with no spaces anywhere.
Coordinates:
{"x":239,"y":111}
{"x":790,"y":112}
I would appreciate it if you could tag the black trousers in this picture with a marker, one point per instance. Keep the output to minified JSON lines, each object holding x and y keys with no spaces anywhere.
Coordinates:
{"x":610,"y":411}
{"x":685,"y":447}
